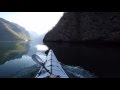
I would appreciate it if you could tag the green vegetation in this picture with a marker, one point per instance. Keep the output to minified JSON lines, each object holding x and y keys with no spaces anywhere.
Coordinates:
{"x":12,"y":32}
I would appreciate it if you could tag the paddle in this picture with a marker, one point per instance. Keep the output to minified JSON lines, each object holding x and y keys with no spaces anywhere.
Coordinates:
{"x":38,"y":60}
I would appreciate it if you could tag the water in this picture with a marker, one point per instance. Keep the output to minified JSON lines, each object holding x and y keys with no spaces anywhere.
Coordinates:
{"x":101,"y":59}
{"x":16,"y":61}
{"x":16,"y":56}
{"x":80,"y":60}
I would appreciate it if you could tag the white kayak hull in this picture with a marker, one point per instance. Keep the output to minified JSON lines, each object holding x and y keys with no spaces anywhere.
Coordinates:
{"x":53,"y":65}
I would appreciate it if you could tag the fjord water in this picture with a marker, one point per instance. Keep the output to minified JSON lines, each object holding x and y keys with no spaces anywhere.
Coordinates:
{"x":101,"y":59}
{"x":16,"y":56}
{"x":16,"y":60}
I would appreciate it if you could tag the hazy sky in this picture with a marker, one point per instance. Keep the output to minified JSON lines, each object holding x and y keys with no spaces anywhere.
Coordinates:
{"x":40,"y":22}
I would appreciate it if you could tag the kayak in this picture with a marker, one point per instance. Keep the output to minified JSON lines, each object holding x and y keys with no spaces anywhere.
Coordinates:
{"x":49,"y":67}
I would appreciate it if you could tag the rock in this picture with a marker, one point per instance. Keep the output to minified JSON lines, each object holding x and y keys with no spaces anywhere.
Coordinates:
{"x":86,"y":26}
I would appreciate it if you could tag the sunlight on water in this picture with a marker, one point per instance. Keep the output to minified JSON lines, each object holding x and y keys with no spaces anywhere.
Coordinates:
{"x":41,"y":47}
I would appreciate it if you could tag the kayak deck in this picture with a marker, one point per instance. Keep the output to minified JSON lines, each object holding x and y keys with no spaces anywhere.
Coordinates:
{"x":53,"y":65}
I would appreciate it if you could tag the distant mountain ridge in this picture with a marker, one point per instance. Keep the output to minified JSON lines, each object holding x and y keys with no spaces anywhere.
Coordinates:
{"x":10,"y":31}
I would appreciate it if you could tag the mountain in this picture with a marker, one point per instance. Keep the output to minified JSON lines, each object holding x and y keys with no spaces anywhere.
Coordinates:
{"x":86,"y":26}
{"x":33,"y":35}
{"x":12,"y":32}
{"x":36,"y":38}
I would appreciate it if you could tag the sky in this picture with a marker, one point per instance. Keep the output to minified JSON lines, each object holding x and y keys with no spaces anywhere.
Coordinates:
{"x":39,"y":22}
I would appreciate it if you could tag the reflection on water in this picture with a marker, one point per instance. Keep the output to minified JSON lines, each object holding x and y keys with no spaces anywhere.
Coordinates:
{"x":41,"y":47}
{"x":9,"y":68}
{"x":15,"y":56}
{"x":12,"y":50}
{"x":103,"y":60}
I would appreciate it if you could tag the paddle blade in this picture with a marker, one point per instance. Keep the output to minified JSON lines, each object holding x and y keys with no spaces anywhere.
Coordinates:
{"x":37,"y":59}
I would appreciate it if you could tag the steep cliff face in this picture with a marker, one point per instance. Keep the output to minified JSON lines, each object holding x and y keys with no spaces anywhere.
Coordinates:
{"x":12,"y":32}
{"x":86,"y":26}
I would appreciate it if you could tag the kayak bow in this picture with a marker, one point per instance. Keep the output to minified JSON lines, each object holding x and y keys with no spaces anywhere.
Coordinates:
{"x":50,"y":67}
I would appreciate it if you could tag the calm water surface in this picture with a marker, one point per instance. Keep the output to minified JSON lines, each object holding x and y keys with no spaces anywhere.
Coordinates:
{"x":16,"y":56}
{"x":102,"y":60}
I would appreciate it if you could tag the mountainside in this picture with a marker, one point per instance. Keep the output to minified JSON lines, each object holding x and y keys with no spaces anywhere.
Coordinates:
{"x":12,"y":32}
{"x":86,"y":26}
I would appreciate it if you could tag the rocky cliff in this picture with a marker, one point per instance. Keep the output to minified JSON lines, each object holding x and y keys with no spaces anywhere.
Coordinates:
{"x":86,"y":26}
